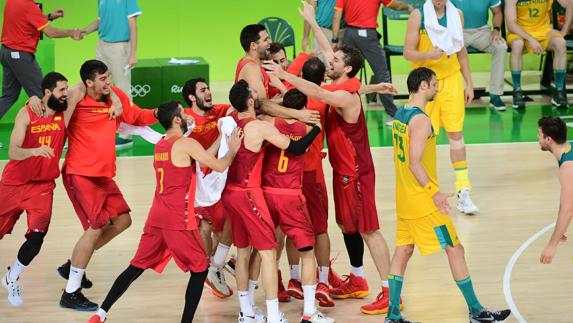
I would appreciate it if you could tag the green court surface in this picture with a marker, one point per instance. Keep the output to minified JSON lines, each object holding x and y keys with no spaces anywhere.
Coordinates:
{"x":482,"y":125}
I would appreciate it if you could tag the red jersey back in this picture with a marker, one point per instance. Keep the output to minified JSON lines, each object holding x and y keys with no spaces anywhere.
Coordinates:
{"x":282,"y":169}
{"x":48,"y":131}
{"x":348,"y":145}
{"x":206,"y":131}
{"x":245,"y":171}
{"x":169,"y":209}
{"x":246,"y":60}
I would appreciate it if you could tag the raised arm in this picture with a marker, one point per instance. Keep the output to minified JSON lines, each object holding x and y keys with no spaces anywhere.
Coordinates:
{"x":16,"y":152}
{"x":411,"y":52}
{"x":565,"y":213}
{"x":568,"y":5}
{"x":306,"y":33}
{"x":309,"y":16}
{"x":419,"y":130}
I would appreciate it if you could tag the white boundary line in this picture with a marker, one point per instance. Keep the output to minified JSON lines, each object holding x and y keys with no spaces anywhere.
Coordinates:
{"x":509,"y":269}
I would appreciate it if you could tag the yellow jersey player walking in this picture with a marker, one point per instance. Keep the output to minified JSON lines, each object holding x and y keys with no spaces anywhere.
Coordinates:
{"x":422,"y":209}
{"x":434,"y":39}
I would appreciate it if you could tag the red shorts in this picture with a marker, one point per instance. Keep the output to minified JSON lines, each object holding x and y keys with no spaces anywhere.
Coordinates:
{"x":288,"y":210}
{"x":355,"y":203}
{"x":157,"y":246}
{"x":96,"y":200}
{"x":34,"y":198}
{"x":251,"y":221}
{"x":214,"y":215}
{"x":314,"y":190}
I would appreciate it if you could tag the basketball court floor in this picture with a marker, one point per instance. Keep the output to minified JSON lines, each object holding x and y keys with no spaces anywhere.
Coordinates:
{"x":515,"y":185}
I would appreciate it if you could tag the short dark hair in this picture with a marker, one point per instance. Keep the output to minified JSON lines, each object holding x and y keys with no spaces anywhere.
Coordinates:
{"x":250,"y":34}
{"x":553,"y":127}
{"x":313,"y":70}
{"x":275,"y":48}
{"x":417,"y":76}
{"x":166,"y":112}
{"x":239,"y":95}
{"x":91,"y":68}
{"x":190,"y":88}
{"x":50,"y":81}
{"x":294,"y":99}
{"x":353,"y":58}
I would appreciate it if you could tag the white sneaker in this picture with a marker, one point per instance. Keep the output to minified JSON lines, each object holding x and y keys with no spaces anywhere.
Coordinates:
{"x":217,"y":283}
{"x":282,"y":319}
{"x":317,"y":317}
{"x":465,"y":203}
{"x":246,"y":319}
{"x":13,"y":288}
{"x":259,"y":315}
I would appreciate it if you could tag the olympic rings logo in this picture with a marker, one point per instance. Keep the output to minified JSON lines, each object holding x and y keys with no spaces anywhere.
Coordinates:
{"x":140,"y":90}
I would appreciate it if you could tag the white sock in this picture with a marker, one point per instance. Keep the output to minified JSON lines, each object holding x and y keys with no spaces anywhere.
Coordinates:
{"x":323,"y":275}
{"x":273,"y":314}
{"x":385,"y":284}
{"x":252,"y":286}
{"x":75,"y":279}
{"x":309,"y":305}
{"x":357,"y":271}
{"x":245,"y":303}
{"x":294,"y":272}
{"x":220,"y":255}
{"x":101,"y":313}
{"x":16,"y":270}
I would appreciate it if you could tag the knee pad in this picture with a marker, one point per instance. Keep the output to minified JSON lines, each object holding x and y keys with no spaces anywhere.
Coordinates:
{"x":36,"y":238}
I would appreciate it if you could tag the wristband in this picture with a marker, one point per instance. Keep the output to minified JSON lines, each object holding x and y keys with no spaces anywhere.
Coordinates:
{"x":431,"y":189}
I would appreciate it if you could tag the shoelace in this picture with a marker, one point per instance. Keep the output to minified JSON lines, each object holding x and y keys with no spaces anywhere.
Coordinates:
{"x":14,"y":288}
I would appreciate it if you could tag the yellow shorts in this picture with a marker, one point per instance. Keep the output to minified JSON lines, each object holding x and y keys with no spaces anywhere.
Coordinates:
{"x":448,"y":108}
{"x":542,"y":34}
{"x":430,"y":234}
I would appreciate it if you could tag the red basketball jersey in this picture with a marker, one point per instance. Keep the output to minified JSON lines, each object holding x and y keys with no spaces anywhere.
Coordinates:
{"x":282,"y":169}
{"x":246,"y":60}
{"x":169,"y":208}
{"x":348,"y":145}
{"x":48,"y":131}
{"x":245,"y":171}
{"x":206,"y":131}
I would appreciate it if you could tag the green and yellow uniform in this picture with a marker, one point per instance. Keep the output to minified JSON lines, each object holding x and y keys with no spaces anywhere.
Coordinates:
{"x":419,"y":221}
{"x":448,"y":108}
{"x":567,"y":156}
{"x":533,"y":16}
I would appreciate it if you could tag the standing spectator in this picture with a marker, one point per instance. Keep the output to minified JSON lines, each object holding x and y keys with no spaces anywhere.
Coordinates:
{"x":20,"y":36}
{"x":480,"y":36}
{"x":361,"y":19}
{"x":324,"y":13}
{"x":117,"y":46}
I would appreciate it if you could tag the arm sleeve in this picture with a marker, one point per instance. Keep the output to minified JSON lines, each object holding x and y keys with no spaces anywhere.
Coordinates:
{"x":300,"y":146}
{"x":133,"y":8}
{"x":36,"y":18}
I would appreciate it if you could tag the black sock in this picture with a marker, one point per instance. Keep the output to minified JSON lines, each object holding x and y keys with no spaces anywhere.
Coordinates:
{"x":31,"y":247}
{"x":120,"y":285}
{"x":193,"y":295}
{"x":355,"y":248}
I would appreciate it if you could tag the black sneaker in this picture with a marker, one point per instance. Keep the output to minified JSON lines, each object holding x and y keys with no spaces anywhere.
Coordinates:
{"x":64,"y":271}
{"x":518,"y":99}
{"x":559,"y":100}
{"x":401,"y":320}
{"x":77,"y":301}
{"x":490,"y":316}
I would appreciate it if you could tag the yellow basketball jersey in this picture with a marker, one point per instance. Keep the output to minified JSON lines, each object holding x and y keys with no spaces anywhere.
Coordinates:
{"x":443,"y":67}
{"x":533,"y":13}
{"x":412,"y":201}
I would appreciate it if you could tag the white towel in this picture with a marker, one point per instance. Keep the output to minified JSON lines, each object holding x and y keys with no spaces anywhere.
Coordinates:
{"x":210,"y":186}
{"x":147,"y":133}
{"x":451,"y":39}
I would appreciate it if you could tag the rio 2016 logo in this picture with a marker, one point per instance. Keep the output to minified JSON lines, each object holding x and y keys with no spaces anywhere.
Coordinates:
{"x":140,"y":90}
{"x":176,"y":89}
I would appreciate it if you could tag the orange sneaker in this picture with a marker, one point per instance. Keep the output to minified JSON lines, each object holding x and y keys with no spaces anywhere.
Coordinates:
{"x":355,"y":287}
{"x":323,"y":296}
{"x":295,"y":289}
{"x":381,"y":304}
{"x":95,"y":319}
{"x":333,"y":279}
{"x":282,"y":295}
